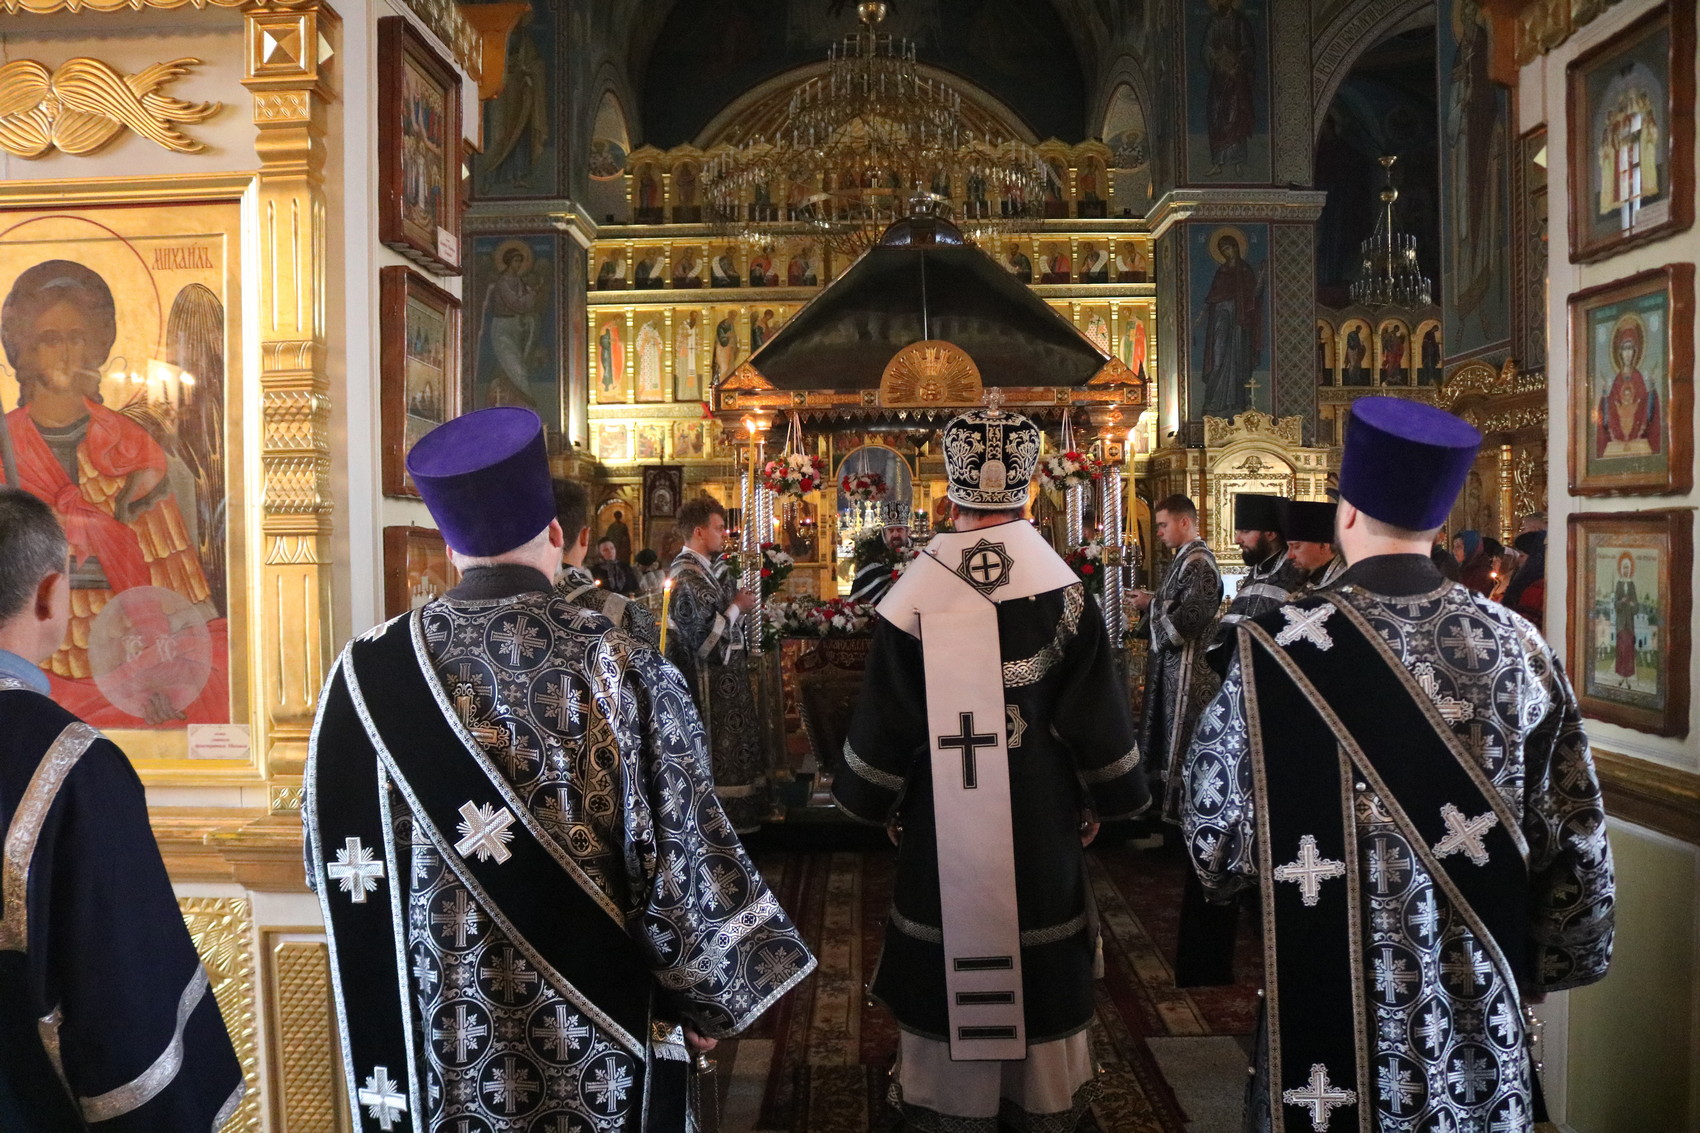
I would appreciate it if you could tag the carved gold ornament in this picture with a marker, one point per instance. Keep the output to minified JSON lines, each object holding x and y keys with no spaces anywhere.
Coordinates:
{"x":931,"y":373}
{"x":84,"y":104}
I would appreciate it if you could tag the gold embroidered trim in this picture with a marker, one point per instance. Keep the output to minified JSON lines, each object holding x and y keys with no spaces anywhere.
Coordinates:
{"x":1017,"y":674}
{"x":50,"y":775}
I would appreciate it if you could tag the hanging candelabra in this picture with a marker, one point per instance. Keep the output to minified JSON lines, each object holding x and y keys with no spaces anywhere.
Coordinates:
{"x":1388,"y":273}
{"x":859,"y":143}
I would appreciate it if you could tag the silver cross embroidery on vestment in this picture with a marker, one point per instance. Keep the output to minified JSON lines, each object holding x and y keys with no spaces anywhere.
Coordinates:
{"x":1465,"y":834}
{"x":1319,"y":1097}
{"x":1310,"y":871}
{"x":1306,"y":625}
{"x":356,"y":870}
{"x":382,"y":1097}
{"x":484,"y":832}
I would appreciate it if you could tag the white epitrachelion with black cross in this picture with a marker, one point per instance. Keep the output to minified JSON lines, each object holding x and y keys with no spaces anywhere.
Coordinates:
{"x":949,"y":601}
{"x":970,"y":758}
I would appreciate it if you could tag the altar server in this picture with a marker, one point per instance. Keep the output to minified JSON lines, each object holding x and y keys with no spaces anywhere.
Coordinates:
{"x":535,"y":905}
{"x":1181,"y":618}
{"x":107,"y":1021}
{"x":1400,"y":765}
{"x":706,"y":641}
{"x":993,"y":733}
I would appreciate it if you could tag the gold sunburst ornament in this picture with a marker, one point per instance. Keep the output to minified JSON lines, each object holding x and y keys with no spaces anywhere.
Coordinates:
{"x":931,"y":373}
{"x":83,"y":104}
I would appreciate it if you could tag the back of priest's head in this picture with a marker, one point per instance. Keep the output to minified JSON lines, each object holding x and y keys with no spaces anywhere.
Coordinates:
{"x":35,"y":584}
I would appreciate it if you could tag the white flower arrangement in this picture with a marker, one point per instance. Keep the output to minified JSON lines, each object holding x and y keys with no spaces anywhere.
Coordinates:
{"x":1059,"y":470}
{"x":793,"y":475}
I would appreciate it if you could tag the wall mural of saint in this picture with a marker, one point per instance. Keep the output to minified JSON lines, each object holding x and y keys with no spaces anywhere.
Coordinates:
{"x":514,"y":335}
{"x":1231,"y":363}
{"x":1476,"y":185}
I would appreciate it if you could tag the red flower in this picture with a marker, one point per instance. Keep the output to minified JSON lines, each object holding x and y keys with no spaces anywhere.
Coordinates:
{"x":1086,"y":568}
{"x":766,"y":573}
{"x":808,"y":484}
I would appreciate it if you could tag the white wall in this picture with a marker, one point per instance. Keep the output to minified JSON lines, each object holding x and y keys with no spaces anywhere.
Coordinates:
{"x":1623,"y":1055}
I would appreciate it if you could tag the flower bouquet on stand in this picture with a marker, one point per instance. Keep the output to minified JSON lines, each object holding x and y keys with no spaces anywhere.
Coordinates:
{"x":776,"y":567}
{"x":1087,"y":560}
{"x":1060,"y":471}
{"x":793,"y":475}
{"x":864,"y":487}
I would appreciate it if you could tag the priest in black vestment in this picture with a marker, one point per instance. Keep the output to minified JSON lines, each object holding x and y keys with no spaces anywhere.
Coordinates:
{"x":879,"y":561}
{"x":1309,"y":528}
{"x":107,"y":1021}
{"x":1181,"y":618}
{"x":577,"y":585}
{"x":991,"y":736}
{"x":1424,"y":822}
{"x":1271,"y":575}
{"x":536,"y":907}
{"x":706,"y":641}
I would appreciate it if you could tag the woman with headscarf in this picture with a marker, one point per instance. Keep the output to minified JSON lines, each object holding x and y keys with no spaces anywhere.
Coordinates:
{"x":1475,"y":565}
{"x":1527,"y":593}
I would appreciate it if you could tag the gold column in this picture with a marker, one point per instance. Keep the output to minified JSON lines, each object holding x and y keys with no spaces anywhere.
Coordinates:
{"x":290,"y":89}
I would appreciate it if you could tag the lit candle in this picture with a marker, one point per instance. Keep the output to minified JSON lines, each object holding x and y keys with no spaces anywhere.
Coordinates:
{"x":750,"y":427}
{"x":666,"y":605}
{"x":1127,"y":459}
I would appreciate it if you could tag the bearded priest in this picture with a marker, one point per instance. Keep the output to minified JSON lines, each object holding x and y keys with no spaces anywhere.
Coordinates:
{"x":535,"y":905}
{"x":992,"y":735}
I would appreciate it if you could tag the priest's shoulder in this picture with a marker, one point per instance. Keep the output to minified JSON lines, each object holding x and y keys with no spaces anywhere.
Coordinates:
{"x":1275,"y":620}
{"x":1530,"y":642}
{"x":29,"y":725}
{"x":27,"y":716}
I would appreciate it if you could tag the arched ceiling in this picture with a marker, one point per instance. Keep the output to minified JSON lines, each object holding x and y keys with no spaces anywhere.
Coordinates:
{"x":688,"y":61}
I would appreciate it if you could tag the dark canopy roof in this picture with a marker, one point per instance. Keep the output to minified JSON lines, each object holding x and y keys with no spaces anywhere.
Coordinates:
{"x":910,"y":288}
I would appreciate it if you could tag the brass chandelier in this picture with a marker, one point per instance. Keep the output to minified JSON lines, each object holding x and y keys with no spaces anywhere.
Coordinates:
{"x":863,"y":145}
{"x":1388,"y":274}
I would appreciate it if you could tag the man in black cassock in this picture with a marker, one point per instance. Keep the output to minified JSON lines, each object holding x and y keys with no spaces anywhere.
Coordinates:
{"x":705,"y":640}
{"x":991,"y":736}
{"x":536,"y":907}
{"x":577,"y":585}
{"x":878,"y":562}
{"x":615,"y":574}
{"x":1309,"y":528}
{"x":1424,"y":824}
{"x":1180,"y":617}
{"x":1271,"y":575}
{"x":107,"y":1021}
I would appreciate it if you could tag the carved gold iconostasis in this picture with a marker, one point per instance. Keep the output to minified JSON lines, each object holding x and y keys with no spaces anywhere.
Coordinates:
{"x":675,"y":307}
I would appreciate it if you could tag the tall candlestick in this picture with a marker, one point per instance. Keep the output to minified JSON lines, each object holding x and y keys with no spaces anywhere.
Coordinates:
{"x":666,"y":607}
{"x":1127,"y":474}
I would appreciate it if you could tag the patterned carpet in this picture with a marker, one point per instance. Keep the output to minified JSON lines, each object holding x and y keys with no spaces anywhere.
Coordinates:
{"x":818,"y":1062}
